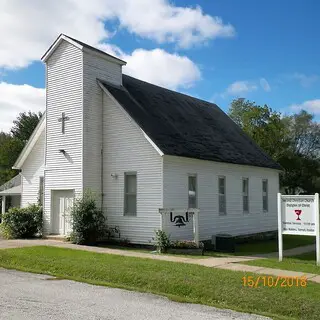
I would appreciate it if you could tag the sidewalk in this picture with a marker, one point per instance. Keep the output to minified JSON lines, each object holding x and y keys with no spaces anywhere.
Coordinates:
{"x":226,"y":263}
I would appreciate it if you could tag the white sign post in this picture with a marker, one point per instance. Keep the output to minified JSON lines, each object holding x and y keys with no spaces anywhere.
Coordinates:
{"x":298,"y":215}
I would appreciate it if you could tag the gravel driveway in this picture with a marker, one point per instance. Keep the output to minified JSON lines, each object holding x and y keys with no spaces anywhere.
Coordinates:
{"x":31,"y":297}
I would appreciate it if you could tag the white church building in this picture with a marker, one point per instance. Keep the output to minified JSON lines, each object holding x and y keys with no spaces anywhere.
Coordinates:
{"x":139,"y":148}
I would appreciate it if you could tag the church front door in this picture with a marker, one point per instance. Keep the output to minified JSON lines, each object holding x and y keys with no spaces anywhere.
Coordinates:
{"x":61,"y":218}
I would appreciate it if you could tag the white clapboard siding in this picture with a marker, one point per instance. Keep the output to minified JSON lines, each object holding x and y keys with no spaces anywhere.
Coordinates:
{"x":175,"y":180}
{"x":31,"y":171}
{"x":94,"y":67}
{"x":64,"y":94}
{"x":126,"y":149}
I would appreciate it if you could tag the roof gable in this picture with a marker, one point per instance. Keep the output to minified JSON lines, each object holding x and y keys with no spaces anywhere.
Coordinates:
{"x":184,"y":126}
{"x":82,"y":46}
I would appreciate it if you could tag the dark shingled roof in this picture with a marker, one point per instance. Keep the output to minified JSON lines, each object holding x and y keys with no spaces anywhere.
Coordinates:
{"x":184,"y":126}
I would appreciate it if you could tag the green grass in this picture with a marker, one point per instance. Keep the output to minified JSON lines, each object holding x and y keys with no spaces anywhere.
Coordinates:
{"x":178,"y":281}
{"x":268,"y":246}
{"x":152,"y":252}
{"x":253,"y":248}
{"x":304,"y":263}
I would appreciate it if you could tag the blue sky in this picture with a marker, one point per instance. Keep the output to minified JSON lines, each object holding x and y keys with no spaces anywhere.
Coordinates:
{"x":266,"y":51}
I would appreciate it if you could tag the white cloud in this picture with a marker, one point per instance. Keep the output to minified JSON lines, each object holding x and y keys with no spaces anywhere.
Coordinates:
{"x":164,"y":22}
{"x":27,"y":28}
{"x":240,"y":88}
{"x":313,"y":106}
{"x":305,"y":81}
{"x":158,"y":66}
{"x":18,"y":98}
{"x":265,"y":85}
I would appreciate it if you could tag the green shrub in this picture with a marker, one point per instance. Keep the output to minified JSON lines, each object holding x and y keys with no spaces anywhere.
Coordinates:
{"x":22,"y":223}
{"x":162,"y":241}
{"x":88,"y":222}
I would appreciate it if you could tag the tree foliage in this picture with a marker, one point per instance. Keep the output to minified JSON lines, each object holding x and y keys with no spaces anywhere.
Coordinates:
{"x":24,"y":125}
{"x":11,"y":144}
{"x":261,"y":123}
{"x":292,"y":141}
{"x":10,"y":148}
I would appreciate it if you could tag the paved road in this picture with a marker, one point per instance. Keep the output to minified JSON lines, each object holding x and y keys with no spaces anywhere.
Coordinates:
{"x":29,"y":296}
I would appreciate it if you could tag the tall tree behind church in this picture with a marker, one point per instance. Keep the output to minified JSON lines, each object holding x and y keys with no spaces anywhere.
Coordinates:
{"x":24,"y":125}
{"x":263,"y":125}
{"x":293,"y":141}
{"x":11,"y":144}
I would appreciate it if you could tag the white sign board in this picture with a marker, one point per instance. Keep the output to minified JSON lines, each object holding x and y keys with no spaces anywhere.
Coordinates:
{"x":298,"y":215}
{"x":182,"y":215}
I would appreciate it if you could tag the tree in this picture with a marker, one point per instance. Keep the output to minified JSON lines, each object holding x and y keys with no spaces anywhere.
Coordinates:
{"x":260,"y":123}
{"x":11,"y":144}
{"x":24,"y":125}
{"x":302,"y":166}
{"x":10,"y":148}
{"x":304,"y":135}
{"x":292,"y":141}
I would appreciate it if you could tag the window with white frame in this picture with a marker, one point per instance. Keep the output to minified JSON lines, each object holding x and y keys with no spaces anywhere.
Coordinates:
{"x":192,"y":191}
{"x":265,"y":195}
{"x":130,"y":193}
{"x":245,"y":194}
{"x":222,"y":194}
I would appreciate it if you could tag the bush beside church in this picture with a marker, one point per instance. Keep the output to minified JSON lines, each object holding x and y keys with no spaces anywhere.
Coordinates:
{"x":21,"y":223}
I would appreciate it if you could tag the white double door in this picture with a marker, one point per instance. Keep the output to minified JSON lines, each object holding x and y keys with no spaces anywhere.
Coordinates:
{"x":62,"y":204}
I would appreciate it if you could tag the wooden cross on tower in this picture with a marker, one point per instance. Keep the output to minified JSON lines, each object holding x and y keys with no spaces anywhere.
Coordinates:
{"x":63,"y":119}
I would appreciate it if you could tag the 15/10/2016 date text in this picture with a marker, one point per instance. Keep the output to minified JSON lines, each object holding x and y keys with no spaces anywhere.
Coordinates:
{"x":269,"y":281}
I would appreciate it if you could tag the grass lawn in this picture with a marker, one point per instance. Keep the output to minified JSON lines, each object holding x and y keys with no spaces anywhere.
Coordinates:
{"x":268,"y":246}
{"x":178,"y":281}
{"x":304,"y":263}
{"x":152,"y":251}
{"x":258,"y":247}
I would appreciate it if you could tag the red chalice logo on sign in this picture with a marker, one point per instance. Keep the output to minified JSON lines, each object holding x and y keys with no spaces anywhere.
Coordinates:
{"x":298,"y":212}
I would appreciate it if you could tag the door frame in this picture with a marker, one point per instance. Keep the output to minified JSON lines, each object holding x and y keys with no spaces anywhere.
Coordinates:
{"x":52,"y":193}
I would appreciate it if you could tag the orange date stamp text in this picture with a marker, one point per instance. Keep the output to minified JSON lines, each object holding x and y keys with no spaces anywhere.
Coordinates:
{"x":270,"y":281}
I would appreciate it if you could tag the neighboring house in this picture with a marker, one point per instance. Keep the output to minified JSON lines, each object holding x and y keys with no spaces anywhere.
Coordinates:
{"x":141,"y":147}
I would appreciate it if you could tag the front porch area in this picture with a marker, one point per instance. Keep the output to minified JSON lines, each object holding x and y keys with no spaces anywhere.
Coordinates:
{"x":10,"y":194}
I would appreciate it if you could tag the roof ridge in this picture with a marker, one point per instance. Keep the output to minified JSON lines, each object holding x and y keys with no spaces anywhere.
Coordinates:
{"x":171,"y":90}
